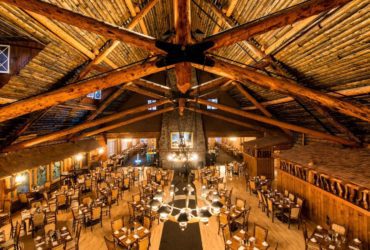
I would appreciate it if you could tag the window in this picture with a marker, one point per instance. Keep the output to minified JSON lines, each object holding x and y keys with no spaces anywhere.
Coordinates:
{"x":4,"y":58}
{"x":112,"y":147}
{"x":214,"y":100}
{"x":150,"y":102}
{"x":95,"y":95}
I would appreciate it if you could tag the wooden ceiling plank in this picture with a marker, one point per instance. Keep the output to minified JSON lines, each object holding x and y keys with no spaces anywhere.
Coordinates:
{"x":143,"y":92}
{"x":83,"y":126}
{"x":152,"y":85}
{"x":87,"y":23}
{"x":273,"y":21}
{"x":229,"y":11}
{"x":237,"y":73}
{"x":75,"y":90}
{"x":277,"y":123}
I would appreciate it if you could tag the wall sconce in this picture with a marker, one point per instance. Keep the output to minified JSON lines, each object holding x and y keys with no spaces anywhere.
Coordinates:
{"x":19,"y":179}
{"x":78,"y":157}
{"x":232,"y":138}
{"x":101,"y":151}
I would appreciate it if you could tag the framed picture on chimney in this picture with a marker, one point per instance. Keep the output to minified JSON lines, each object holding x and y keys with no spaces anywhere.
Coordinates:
{"x":178,"y":138}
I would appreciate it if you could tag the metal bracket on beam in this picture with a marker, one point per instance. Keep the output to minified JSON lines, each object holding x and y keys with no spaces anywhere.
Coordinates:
{"x":176,"y":53}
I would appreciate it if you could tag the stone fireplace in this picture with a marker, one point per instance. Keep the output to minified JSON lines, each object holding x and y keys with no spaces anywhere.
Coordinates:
{"x":189,"y":122}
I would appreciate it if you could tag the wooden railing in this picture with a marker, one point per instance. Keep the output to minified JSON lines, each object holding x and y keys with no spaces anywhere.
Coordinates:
{"x":344,"y":189}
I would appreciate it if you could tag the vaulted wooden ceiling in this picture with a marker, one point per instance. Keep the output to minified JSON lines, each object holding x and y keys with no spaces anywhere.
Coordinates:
{"x":296,"y":52}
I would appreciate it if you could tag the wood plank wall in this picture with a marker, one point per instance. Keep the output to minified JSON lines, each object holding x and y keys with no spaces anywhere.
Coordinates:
{"x":259,"y":166}
{"x":320,"y":204}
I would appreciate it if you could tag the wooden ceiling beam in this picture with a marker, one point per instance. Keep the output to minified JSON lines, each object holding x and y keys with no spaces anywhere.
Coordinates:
{"x":182,"y":16}
{"x":129,"y":121}
{"x":87,"y":23}
{"x":153,"y":86}
{"x":228,"y":119}
{"x":338,"y":94}
{"x":143,"y":92}
{"x":208,"y":85}
{"x":78,"y":89}
{"x":229,"y":10}
{"x":237,"y":73}
{"x":106,"y":103}
{"x":83,"y":126}
{"x":277,"y":123}
{"x":273,"y":21}
{"x":257,"y":104}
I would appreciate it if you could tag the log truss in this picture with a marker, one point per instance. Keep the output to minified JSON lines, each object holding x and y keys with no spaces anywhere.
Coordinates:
{"x":181,"y":55}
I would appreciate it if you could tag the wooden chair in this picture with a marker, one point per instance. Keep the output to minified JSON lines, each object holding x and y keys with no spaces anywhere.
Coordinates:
{"x":109,"y":243}
{"x":240,"y":204}
{"x":95,"y":217}
{"x":136,"y":198}
{"x":144,"y":243}
{"x":226,"y":233}
{"x":88,"y":185}
{"x":74,"y":244}
{"x":339,"y":229}
{"x":59,"y":247}
{"x":13,"y":243}
{"x":86,"y":201}
{"x":294,"y":215}
{"x":62,"y":201}
{"x":49,"y":227}
{"x":305,"y":234}
{"x":271,"y":209}
{"x":37,"y":222}
{"x":24,"y":199}
{"x":116,"y":225}
{"x":244,"y":220}
{"x":36,"y":204}
{"x":260,"y":232}
{"x":223,"y":221}
{"x":115,"y":196}
{"x":286,"y":193}
{"x":147,"y":222}
{"x":252,"y":187}
{"x":261,"y":203}
{"x":291,"y":197}
{"x":6,"y":211}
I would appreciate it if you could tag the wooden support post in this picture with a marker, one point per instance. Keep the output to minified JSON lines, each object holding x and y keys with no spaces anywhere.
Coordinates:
{"x":287,"y":87}
{"x":182,"y":17}
{"x":87,"y":23}
{"x":277,"y":123}
{"x":78,"y":89}
{"x":273,"y":21}
{"x":83,"y":126}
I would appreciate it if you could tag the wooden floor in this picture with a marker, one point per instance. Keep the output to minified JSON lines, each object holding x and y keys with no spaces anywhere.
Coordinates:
{"x":278,"y":232}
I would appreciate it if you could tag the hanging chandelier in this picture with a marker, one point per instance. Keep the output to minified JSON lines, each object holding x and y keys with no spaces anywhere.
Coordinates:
{"x":184,"y":215}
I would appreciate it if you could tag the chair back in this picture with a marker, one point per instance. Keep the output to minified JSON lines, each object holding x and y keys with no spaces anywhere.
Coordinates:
{"x":300,"y":202}
{"x":270,"y":205}
{"x":226,"y":233}
{"x":114,"y":194}
{"x":61,"y":199}
{"x":36,"y":204}
{"x":144,"y":243}
{"x":86,"y":201}
{"x":59,"y":247}
{"x":103,"y":185}
{"x":286,"y":193}
{"x":341,"y":230}
{"x":291,"y":197}
{"x":136,"y":197}
{"x":109,"y":243}
{"x":38,"y":219}
{"x":96,"y":213}
{"x":126,"y":182}
{"x":64,"y":188}
{"x":49,"y":227}
{"x":240,"y":204}
{"x":252,"y":185}
{"x":23,"y":198}
{"x":295,"y":212}
{"x":117,"y":224}
{"x":260,"y":232}
{"x":147,"y":222}
{"x":224,"y":219}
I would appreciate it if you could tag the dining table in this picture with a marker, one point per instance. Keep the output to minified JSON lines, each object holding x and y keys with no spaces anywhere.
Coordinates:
{"x":53,"y":239}
{"x":241,"y":240}
{"x":126,"y":237}
{"x":329,"y":240}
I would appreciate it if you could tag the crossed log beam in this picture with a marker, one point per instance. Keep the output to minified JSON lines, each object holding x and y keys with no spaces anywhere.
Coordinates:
{"x":277,"y":123}
{"x":83,"y":126}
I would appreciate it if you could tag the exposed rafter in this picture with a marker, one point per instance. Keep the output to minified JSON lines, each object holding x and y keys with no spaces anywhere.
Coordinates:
{"x":273,"y":21}
{"x":83,"y":126}
{"x":235,"y":72}
{"x":277,"y":123}
{"x":78,"y":89}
